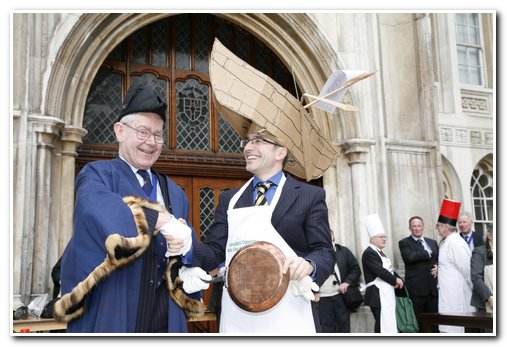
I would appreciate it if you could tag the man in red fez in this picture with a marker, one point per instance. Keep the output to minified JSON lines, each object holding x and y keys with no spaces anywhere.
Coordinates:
{"x":454,"y":281}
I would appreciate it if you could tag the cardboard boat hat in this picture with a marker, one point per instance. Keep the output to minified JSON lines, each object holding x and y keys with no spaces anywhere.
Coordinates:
{"x":140,"y":98}
{"x":449,"y":212}
{"x":245,"y":95}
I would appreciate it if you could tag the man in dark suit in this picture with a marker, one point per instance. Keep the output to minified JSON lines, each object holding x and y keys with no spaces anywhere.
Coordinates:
{"x":467,"y":231}
{"x":420,"y":255}
{"x":300,"y":217}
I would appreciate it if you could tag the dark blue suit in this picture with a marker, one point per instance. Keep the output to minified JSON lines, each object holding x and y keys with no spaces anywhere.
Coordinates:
{"x":112,"y":306}
{"x":300,"y":217}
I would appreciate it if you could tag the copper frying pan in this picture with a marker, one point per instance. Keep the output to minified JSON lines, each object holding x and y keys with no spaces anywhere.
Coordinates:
{"x":254,"y":277}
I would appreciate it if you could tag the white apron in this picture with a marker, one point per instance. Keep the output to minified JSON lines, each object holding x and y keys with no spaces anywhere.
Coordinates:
{"x":292,"y":314}
{"x":454,"y":282}
{"x":387,"y":299}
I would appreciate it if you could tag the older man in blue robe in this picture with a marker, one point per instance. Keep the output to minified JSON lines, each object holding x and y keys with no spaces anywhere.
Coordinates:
{"x":133,"y":298}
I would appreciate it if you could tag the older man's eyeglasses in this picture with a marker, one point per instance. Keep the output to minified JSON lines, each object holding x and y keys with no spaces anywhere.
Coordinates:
{"x":257,"y":141}
{"x":144,"y":134}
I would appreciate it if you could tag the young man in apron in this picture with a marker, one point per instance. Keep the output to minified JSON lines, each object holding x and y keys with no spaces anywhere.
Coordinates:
{"x":295,"y":219}
{"x":380,"y":278}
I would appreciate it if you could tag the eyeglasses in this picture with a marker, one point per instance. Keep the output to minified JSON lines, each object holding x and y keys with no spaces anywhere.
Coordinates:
{"x":256,"y":141}
{"x":144,"y":134}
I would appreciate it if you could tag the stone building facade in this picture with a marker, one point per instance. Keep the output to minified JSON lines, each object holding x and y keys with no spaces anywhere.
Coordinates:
{"x":425,"y":129}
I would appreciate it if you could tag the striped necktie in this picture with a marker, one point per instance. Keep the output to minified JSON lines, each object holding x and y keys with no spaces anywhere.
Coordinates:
{"x":147,"y":186}
{"x":262,"y":188}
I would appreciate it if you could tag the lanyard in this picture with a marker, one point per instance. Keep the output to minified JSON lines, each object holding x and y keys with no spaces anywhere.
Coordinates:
{"x":470,"y":239}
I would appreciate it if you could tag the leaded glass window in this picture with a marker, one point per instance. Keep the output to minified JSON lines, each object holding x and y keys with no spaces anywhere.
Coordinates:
{"x":102,"y":107}
{"x":157,"y":84}
{"x":182,"y":42}
{"x":192,"y":118}
{"x":481,"y":186}
{"x":207,"y":207}
{"x":229,"y":140}
{"x":160,"y":44}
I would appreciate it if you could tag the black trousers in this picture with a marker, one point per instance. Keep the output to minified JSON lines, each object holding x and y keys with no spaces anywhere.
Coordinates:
{"x":376,"y":315}
{"x":425,"y":304}
{"x":334,"y":315}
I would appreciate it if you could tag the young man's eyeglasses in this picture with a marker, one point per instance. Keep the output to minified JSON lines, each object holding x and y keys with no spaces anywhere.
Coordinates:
{"x":257,"y":141}
{"x":144,"y":134}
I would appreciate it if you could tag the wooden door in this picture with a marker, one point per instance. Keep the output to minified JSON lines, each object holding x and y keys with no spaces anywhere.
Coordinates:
{"x":203,"y":194}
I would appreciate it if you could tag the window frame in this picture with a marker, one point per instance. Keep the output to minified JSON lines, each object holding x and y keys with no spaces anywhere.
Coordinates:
{"x":467,"y":46}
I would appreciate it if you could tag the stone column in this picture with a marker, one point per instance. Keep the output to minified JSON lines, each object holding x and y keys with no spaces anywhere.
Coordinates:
{"x":71,"y":139}
{"x":357,"y":152}
{"x":46,"y":131}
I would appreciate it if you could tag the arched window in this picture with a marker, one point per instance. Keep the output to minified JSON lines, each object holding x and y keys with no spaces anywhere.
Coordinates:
{"x":171,"y":55}
{"x":481,"y":188}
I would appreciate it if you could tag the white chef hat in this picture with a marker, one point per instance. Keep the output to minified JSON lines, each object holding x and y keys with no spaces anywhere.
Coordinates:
{"x":374,"y":225}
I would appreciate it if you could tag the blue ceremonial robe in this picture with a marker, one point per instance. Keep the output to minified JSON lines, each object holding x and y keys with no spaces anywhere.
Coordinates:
{"x":99,"y":212}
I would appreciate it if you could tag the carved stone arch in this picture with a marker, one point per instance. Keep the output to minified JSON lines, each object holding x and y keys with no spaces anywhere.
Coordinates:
{"x":451,"y":181}
{"x":88,"y":44}
{"x":486,"y":163}
{"x":294,"y":37}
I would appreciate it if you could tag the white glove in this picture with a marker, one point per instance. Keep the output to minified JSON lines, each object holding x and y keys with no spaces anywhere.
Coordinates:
{"x":193,"y":279}
{"x":304,"y":287}
{"x":179,"y":230}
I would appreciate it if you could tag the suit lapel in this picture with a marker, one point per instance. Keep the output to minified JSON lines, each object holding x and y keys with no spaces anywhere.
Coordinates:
{"x":127,"y":172}
{"x":246,"y":199}
{"x":288,"y":197}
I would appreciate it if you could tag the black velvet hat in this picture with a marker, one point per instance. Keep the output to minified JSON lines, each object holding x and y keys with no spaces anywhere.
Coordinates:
{"x":142,"y":99}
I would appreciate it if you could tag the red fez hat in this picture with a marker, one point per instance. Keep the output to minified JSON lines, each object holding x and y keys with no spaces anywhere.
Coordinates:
{"x":449,"y":212}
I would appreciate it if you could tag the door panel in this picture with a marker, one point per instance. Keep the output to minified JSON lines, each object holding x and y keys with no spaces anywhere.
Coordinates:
{"x":185,"y":183}
{"x":203,"y":194}
{"x":206,"y":192}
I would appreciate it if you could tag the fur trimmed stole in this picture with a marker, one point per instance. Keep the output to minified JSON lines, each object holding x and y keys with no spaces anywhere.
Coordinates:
{"x":120,"y":252}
